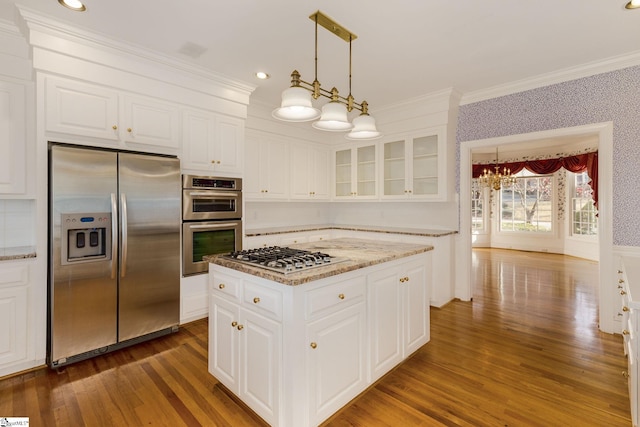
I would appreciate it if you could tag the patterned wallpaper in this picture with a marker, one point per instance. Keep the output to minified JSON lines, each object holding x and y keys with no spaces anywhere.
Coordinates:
{"x":612,"y":96}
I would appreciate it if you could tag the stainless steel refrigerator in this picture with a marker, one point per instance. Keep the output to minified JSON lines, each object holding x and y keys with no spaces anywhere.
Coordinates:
{"x":114,"y":250}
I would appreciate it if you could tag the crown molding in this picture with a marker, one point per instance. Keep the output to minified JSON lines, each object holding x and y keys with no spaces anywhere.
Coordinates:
{"x":37,"y":23}
{"x":560,"y":76}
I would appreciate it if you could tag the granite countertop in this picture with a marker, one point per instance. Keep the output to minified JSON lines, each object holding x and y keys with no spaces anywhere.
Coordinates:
{"x":21,"y":252}
{"x":370,"y":228}
{"x":360,"y":252}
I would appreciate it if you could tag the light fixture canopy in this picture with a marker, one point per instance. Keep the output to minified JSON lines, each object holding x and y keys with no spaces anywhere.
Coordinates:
{"x":298,"y":107}
{"x":75,"y":5}
{"x":496,"y":179}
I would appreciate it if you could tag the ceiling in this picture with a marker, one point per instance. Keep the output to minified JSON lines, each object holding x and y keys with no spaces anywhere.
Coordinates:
{"x":405,"y":49}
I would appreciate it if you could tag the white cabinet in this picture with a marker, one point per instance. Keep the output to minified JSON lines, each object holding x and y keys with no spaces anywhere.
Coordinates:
{"x":629,"y":288}
{"x":267,"y":166}
{"x":399,"y":314}
{"x":336,"y":361}
{"x":309,"y":172}
{"x":245,"y":341}
{"x":14,"y":316}
{"x":212,"y":143}
{"x":297,"y":354}
{"x":356,"y":172}
{"x":150,"y":122}
{"x":110,"y":117}
{"x":13,"y":139}
{"x":413,"y":167}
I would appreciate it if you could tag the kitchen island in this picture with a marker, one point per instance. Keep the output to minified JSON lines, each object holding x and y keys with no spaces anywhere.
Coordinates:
{"x":297,"y":347}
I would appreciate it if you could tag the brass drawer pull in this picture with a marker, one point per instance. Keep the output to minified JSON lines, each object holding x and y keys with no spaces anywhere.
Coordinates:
{"x":256,"y":300}
{"x":341,"y":296}
{"x":221,"y":286}
{"x":314,"y":345}
{"x":234,"y":324}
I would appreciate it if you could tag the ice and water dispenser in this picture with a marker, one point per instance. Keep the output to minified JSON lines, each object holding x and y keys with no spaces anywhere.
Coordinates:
{"x":85,"y":237}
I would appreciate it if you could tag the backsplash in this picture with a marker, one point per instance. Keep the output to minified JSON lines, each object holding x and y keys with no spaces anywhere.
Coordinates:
{"x":17,"y":224}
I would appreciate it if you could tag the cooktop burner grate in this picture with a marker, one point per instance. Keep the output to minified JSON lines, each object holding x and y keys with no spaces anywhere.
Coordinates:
{"x":283,"y":259}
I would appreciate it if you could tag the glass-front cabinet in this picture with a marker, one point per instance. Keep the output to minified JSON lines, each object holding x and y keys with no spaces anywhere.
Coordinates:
{"x":356,"y":172}
{"x":412,"y":167}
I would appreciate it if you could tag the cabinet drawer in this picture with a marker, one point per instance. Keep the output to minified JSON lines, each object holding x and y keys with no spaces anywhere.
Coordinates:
{"x":223,"y":285}
{"x":264,"y":300}
{"x":326,"y":300}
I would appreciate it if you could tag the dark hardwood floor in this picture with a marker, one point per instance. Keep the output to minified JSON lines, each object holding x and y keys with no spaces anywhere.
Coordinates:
{"x":525,"y":352}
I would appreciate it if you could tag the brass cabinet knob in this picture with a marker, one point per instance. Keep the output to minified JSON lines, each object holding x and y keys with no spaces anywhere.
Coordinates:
{"x":620,"y":280}
{"x":221,"y":286}
{"x":240,"y":327}
{"x":256,"y":300}
{"x":213,"y":162}
{"x":314,"y":345}
{"x":234,"y":324}
{"x":114,"y":127}
{"x":625,"y":332}
{"x":619,"y":271}
{"x":625,"y":308}
{"x":341,"y":296}
{"x":623,"y":293}
{"x":129,"y":130}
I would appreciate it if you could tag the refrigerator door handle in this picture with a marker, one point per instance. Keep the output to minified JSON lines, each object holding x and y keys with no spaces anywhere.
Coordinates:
{"x":114,"y":235}
{"x":123,"y":222}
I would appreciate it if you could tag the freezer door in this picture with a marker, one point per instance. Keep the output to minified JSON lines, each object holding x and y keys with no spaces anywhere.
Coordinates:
{"x":82,"y":269}
{"x":149,"y":297}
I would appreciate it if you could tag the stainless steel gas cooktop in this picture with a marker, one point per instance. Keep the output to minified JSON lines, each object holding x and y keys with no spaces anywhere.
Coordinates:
{"x":283,"y":260}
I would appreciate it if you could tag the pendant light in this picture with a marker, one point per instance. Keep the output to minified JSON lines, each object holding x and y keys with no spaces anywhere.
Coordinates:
{"x":296,"y":104}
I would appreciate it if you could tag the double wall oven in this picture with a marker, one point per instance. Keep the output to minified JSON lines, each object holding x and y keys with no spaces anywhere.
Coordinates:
{"x":211,"y":219}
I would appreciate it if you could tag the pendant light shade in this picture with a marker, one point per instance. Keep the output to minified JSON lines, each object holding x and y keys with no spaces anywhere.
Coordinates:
{"x":296,"y":106}
{"x":364,"y":127}
{"x":334,"y":118}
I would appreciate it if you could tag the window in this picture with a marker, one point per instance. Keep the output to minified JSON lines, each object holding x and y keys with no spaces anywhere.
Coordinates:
{"x":477,"y":207}
{"x":584,"y":221}
{"x":527,"y":206}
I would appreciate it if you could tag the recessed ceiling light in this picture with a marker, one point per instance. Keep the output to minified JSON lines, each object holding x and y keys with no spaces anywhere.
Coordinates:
{"x":73,"y":5}
{"x":262,"y":75}
{"x":633,"y":4}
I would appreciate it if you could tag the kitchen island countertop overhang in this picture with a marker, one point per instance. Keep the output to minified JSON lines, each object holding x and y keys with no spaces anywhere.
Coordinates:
{"x":360,"y":253}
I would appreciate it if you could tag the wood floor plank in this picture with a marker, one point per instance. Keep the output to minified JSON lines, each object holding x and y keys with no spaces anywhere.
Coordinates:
{"x":525,"y":352}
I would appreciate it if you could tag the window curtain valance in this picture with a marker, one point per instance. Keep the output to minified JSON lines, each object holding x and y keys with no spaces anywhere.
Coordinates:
{"x":579,"y":163}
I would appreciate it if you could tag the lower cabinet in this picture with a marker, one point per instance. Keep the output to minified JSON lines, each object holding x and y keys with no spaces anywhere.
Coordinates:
{"x":297,"y":354}
{"x":629,"y":288}
{"x":245,"y":354}
{"x":399,"y":314}
{"x":15,"y":330}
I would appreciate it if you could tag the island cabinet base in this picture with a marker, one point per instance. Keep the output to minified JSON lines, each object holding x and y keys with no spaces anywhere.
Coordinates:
{"x":297,"y":354}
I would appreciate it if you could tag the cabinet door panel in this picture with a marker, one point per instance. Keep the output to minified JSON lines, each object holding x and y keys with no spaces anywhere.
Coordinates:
{"x":416,"y":308}
{"x":337,"y":363}
{"x":151,"y":122}
{"x":385,"y":306}
{"x":223,"y":342}
{"x":12,"y":138}
{"x":198,"y":137}
{"x":260,"y":344}
{"x":79,"y":109}
{"x":228,"y":147}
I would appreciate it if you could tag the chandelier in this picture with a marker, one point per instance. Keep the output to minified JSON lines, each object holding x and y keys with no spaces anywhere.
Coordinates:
{"x":297,"y":105}
{"x":497,"y":179}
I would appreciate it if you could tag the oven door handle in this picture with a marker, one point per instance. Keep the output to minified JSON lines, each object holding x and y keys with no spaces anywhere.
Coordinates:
{"x":221,"y":225}
{"x":213,"y":194}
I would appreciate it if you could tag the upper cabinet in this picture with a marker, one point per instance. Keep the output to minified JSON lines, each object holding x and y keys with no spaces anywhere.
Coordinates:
{"x":309,"y":172}
{"x":112,"y":117}
{"x":356,"y":172}
{"x":13,"y":138}
{"x":413,"y":167}
{"x":212,"y":143}
{"x":267,"y":166}
{"x":410,"y":167}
